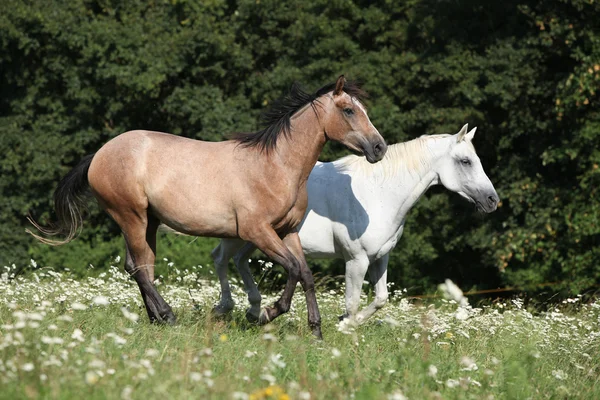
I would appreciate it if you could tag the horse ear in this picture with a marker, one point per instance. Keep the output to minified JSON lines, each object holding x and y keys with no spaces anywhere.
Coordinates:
{"x":469,"y":136}
{"x":339,"y":85}
{"x":461,"y":135}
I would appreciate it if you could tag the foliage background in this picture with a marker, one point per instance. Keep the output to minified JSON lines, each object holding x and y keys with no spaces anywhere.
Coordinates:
{"x":74,"y":74}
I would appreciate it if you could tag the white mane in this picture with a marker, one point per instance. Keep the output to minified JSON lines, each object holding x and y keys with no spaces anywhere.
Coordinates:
{"x":412,"y":157}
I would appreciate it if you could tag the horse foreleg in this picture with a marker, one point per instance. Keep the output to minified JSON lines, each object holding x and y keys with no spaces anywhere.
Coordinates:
{"x":292,"y":241}
{"x":221,"y":255}
{"x":267,"y":240}
{"x":378,"y":274}
{"x":356,"y":269}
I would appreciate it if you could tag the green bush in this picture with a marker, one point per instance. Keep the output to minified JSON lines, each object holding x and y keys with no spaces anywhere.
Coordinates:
{"x":76,"y":73}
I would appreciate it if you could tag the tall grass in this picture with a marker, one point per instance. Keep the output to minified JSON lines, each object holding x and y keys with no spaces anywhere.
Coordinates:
{"x":67,"y":338}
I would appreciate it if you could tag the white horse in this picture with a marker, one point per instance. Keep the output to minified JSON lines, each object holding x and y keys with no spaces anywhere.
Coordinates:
{"x":356,"y":211}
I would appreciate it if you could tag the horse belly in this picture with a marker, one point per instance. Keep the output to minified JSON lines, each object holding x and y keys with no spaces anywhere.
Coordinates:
{"x":194,"y":210}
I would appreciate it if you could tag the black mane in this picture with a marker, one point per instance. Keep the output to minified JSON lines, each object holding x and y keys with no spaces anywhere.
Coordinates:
{"x":276,"y":120}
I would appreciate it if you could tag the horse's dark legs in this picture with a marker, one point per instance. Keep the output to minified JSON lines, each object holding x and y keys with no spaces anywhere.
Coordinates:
{"x":292,"y":259}
{"x":292,"y":242}
{"x":140,"y":239}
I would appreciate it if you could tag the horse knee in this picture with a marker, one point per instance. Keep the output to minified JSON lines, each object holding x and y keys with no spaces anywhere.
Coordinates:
{"x":238,"y":258}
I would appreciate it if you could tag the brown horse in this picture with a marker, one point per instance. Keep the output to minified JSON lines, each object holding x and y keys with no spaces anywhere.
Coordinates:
{"x":252,"y":187}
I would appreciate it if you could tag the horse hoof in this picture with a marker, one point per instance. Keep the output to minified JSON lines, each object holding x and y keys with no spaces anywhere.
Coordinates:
{"x":252,"y":318}
{"x":342,"y":317}
{"x":220,"y":311}
{"x":169,"y":318}
{"x":166,"y":319}
{"x":317,"y":333}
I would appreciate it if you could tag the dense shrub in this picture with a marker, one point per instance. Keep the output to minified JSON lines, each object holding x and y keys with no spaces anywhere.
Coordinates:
{"x":73,"y":74}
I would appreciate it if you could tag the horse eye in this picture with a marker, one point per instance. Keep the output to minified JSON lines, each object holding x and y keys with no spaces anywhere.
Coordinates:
{"x":466,"y":161}
{"x":348,"y":111}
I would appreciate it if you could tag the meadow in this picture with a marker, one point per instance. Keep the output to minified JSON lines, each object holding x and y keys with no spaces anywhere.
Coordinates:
{"x":62,"y":337}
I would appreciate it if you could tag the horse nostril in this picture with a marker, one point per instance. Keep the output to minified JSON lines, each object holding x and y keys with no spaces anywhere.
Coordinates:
{"x":378,"y":149}
{"x":492,"y":200}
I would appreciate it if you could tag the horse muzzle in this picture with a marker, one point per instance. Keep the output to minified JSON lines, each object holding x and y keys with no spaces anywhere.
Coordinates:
{"x":488,"y":203}
{"x":374,"y":150}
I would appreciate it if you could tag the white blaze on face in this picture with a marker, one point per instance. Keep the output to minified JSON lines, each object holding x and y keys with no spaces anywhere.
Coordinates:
{"x":364,"y":110}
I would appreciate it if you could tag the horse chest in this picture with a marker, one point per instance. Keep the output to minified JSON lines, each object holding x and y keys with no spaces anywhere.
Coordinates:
{"x":292,"y":214}
{"x":386,"y":243}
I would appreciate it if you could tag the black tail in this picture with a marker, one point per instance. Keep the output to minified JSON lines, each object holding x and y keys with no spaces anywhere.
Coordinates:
{"x":70,"y":198}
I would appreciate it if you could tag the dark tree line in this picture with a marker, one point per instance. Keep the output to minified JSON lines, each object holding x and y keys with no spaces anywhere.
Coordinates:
{"x":74,"y":74}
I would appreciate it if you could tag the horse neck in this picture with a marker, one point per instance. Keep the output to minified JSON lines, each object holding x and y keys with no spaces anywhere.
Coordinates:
{"x":411,"y":169}
{"x":300,"y":151}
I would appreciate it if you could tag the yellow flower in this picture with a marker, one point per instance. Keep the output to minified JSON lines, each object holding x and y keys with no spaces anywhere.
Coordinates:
{"x":223,"y":338}
{"x":449,"y":335}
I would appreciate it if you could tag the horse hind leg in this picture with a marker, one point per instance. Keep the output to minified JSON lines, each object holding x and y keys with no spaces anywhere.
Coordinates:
{"x":140,"y":240}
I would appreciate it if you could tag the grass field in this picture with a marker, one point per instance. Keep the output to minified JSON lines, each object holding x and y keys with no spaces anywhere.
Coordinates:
{"x":66,"y":338}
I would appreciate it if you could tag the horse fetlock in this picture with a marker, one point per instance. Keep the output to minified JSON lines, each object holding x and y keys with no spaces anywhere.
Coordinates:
{"x":266,"y":315}
{"x":224,"y":307}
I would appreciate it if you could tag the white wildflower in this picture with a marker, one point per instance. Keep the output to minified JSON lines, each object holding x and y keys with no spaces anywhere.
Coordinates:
{"x":452,"y":383}
{"x":432,"y":370}
{"x":336,"y":353}
{"x":77,"y":335}
{"x":397,"y":395}
{"x":559,"y":374}
{"x":152,"y":353}
{"x":468,"y":364}
{"x":195,"y":376}
{"x":35,"y":316}
{"x":28,"y":366}
{"x":126,"y":393}
{"x":101,"y":300}
{"x":91,"y":377}
{"x":133,"y":317}
{"x":269,"y":337}
{"x":78,"y":306}
{"x":51,"y":340}
{"x":269,"y":378}
{"x":207,"y":352}
{"x":452,"y":292}
{"x":277,"y":360}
